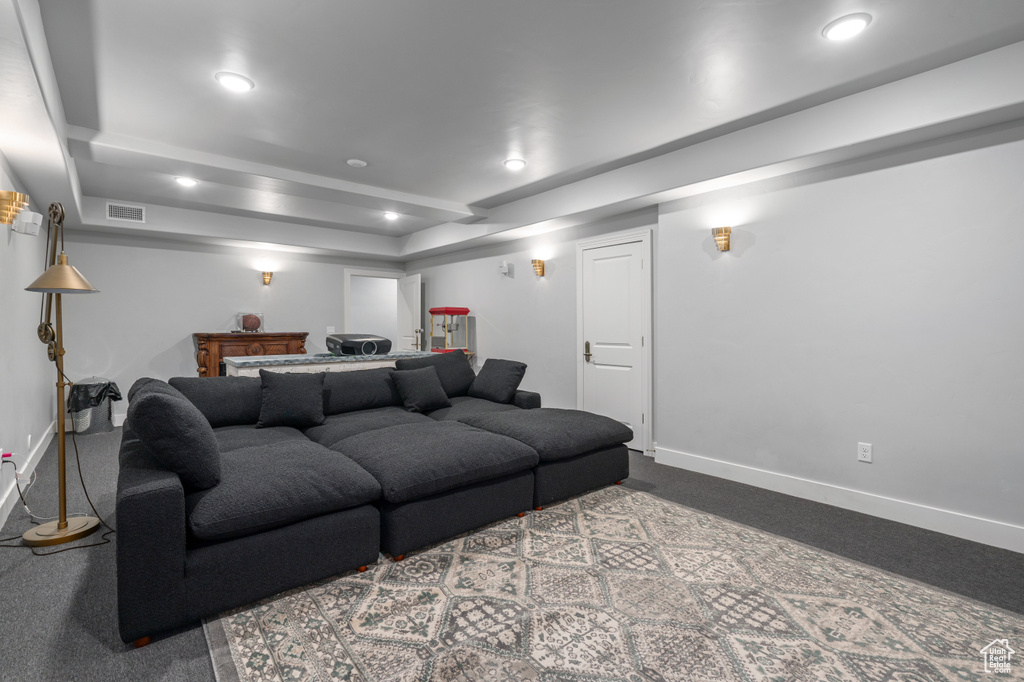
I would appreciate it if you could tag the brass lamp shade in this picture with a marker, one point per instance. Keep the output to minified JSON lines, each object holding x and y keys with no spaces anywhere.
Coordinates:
{"x":11,"y":204}
{"x":61,"y":278}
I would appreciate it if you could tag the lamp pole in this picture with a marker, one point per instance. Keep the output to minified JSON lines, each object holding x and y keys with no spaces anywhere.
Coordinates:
{"x":59,"y":278}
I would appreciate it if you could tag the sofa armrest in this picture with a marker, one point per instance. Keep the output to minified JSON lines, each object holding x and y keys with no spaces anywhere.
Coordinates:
{"x":527,"y":400}
{"x":150,"y":549}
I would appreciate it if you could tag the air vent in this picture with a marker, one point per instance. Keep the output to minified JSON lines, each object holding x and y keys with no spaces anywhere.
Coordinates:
{"x":130,"y":214}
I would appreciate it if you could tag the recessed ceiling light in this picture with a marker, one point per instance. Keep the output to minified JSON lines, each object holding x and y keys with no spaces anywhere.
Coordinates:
{"x":515,"y":164}
{"x":186,"y":182}
{"x":234,"y":82}
{"x":356,"y":163}
{"x":847,"y":27}
{"x":390,"y":215}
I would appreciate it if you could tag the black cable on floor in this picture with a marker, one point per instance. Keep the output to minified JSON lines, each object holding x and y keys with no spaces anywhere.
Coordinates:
{"x":105,"y":537}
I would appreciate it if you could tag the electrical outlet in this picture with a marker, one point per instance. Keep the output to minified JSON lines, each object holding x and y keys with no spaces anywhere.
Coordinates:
{"x":864,"y":452}
{"x":330,"y":330}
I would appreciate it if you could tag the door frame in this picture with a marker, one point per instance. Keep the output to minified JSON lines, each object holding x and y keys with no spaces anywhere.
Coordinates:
{"x":346,"y":288}
{"x":645,"y":237}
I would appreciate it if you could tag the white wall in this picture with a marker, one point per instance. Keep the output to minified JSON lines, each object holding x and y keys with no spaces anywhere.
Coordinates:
{"x":523,"y":317}
{"x":27,"y":377}
{"x":374,"y":307}
{"x":884,"y":308}
{"x":154,"y":297}
{"x":881,"y":307}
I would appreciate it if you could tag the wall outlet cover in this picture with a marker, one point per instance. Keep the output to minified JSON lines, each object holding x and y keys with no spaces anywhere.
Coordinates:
{"x":864,"y":452}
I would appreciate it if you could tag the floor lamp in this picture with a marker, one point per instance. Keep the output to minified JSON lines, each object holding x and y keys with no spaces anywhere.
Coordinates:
{"x":59,"y":278}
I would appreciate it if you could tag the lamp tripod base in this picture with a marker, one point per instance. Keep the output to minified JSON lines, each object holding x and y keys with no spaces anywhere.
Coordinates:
{"x":49,"y":534}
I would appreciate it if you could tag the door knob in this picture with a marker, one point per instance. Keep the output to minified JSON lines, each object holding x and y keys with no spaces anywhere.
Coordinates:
{"x":586,"y":352}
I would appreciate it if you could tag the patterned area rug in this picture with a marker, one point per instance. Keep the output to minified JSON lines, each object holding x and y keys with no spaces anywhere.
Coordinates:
{"x":614,"y":585}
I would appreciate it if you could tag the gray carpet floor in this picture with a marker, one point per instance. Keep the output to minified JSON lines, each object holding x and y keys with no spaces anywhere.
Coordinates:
{"x":59,"y":619}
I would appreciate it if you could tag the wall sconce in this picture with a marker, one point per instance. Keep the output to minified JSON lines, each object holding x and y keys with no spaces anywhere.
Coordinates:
{"x":266,"y":277}
{"x":721,"y":235}
{"x":538,"y":267}
{"x":11,"y":204}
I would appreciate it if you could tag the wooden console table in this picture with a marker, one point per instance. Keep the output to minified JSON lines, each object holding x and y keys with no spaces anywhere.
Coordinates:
{"x":211,"y":349}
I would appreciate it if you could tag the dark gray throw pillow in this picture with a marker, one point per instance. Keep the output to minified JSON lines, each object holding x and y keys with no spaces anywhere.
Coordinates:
{"x":364,"y":389}
{"x":177,"y":435}
{"x":421,"y":389}
{"x":498,"y":380}
{"x":291,"y":399}
{"x":452,"y":369}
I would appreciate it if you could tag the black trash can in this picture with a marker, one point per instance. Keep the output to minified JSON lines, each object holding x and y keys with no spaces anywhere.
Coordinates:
{"x":89,"y":404}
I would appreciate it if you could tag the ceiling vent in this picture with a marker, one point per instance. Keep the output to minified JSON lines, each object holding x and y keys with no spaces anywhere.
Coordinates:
{"x":129,"y":214}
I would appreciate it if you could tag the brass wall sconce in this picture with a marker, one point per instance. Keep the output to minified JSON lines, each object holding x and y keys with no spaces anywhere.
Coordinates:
{"x":721,"y":235}
{"x":538,"y":267}
{"x":11,"y":204}
{"x":266,"y":278}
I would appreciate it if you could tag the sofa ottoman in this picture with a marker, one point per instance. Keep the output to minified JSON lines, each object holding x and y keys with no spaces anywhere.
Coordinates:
{"x":578,"y":451}
{"x":439,"y":479}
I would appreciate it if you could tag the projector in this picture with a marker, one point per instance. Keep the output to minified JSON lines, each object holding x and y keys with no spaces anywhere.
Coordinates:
{"x":358,"y":344}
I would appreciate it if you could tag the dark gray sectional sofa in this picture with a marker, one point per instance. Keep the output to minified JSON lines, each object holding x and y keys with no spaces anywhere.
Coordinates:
{"x":232,"y":489}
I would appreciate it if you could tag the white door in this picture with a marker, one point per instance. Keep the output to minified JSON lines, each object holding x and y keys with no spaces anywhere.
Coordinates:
{"x":410,"y":314}
{"x":613,"y":332}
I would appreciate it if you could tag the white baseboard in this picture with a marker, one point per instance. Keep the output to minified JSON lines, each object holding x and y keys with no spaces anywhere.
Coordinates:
{"x":987,"y":531}
{"x":8,"y":495}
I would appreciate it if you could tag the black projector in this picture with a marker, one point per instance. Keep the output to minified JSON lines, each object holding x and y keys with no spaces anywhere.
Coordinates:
{"x":358,"y":344}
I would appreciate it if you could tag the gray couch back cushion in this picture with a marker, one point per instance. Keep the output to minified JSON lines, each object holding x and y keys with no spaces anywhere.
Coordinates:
{"x":363,"y":389}
{"x":223,"y":400}
{"x":150,"y":384}
{"x":452,"y":369}
{"x":176,"y":434}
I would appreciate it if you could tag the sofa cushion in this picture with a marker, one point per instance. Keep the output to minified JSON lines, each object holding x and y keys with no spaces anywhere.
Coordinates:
{"x":291,"y":399}
{"x":452,"y":369}
{"x":498,"y":380}
{"x":151,"y":384}
{"x":269,"y":486}
{"x":246,"y":435}
{"x":463,"y":406}
{"x":554,"y":433}
{"x":177,"y":435}
{"x":223,"y":400}
{"x":363,"y":389}
{"x":420,"y":389}
{"x":413,"y":461}
{"x":338,"y":427}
